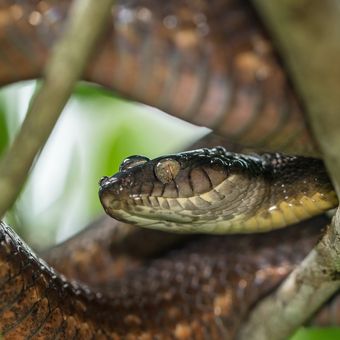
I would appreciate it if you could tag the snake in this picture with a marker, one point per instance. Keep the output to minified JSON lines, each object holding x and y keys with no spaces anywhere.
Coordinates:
{"x":216,"y":191}
{"x":211,"y":63}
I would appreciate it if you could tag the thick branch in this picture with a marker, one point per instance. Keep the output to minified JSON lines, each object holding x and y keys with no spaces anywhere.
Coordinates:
{"x":308,"y":35}
{"x":68,"y":60}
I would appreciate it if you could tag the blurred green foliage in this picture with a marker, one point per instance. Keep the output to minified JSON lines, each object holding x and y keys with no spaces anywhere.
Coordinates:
{"x":102,"y":131}
{"x":331,"y":333}
{"x":3,"y":129}
{"x":94,"y":134}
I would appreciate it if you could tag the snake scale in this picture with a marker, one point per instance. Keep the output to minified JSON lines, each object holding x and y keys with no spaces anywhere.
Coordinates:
{"x":211,"y":63}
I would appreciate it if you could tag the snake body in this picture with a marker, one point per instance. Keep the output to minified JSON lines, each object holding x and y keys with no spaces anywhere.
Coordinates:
{"x":203,"y":290}
{"x":209,"y":62}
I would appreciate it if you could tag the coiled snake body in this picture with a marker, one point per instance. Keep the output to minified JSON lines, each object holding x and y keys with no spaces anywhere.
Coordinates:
{"x":154,"y":53}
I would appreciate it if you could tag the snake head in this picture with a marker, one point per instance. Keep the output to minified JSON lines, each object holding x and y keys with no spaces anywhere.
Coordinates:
{"x":184,"y":192}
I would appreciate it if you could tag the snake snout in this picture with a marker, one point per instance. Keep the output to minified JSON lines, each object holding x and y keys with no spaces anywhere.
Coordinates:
{"x":116,"y":185}
{"x":114,"y":189}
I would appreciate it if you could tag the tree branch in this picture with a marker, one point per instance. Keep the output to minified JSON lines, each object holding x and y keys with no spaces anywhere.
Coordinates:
{"x":86,"y":21}
{"x":308,"y":35}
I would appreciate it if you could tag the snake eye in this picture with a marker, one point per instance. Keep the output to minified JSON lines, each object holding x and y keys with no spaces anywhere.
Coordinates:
{"x":166,"y":170}
{"x":131,"y":162}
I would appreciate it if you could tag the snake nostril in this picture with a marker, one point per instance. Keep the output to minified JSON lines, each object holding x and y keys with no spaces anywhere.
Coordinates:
{"x":103,"y":180}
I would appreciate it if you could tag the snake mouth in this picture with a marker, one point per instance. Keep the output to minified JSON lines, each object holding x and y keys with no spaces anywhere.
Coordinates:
{"x":183,"y":214}
{"x":145,"y":216}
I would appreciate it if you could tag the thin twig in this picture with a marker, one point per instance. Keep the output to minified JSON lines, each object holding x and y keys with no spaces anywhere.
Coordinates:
{"x":308,"y":35}
{"x":87,"y":19}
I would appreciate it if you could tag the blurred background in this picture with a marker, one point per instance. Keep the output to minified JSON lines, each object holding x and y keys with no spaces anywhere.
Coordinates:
{"x":94,"y":134}
{"x":96,"y":131}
